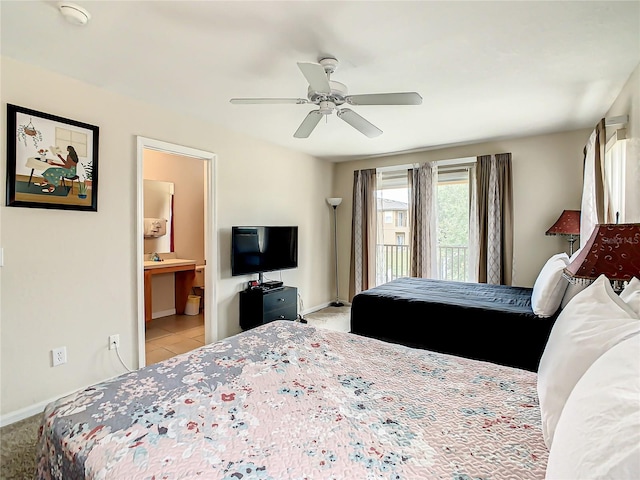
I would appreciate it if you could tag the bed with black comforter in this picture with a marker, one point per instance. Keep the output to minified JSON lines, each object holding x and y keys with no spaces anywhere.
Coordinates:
{"x":494,"y":323}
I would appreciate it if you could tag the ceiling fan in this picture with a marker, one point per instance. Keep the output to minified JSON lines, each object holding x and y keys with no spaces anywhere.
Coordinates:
{"x":329,"y":95}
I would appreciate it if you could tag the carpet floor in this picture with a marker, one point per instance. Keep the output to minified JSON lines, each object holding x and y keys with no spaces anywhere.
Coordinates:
{"x":17,"y":449}
{"x":18,"y":440}
{"x":332,"y":318}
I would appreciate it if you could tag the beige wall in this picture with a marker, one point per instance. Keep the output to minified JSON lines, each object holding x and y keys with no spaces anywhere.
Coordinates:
{"x":47,"y":301}
{"x":188,"y":177}
{"x":547,"y":178}
{"x":628,"y":103}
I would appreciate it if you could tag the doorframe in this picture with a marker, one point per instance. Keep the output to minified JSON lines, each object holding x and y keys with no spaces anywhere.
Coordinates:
{"x":210,"y":227}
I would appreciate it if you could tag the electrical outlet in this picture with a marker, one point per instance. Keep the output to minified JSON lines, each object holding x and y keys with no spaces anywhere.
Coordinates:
{"x":114,"y":342}
{"x":59,"y":356}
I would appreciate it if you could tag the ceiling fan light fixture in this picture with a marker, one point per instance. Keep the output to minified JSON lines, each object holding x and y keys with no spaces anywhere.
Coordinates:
{"x":326,"y":108}
{"x":74,"y":14}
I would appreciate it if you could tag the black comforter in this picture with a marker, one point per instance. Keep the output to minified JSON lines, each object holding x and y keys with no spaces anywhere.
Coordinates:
{"x":475,"y":320}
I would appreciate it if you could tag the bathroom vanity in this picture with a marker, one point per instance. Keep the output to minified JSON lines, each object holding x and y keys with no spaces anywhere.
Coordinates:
{"x":184,"y":272}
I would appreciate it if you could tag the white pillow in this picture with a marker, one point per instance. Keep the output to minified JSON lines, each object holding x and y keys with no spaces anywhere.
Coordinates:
{"x":631,"y":294}
{"x":593,"y":322}
{"x":598,"y":434}
{"x":550,"y":286}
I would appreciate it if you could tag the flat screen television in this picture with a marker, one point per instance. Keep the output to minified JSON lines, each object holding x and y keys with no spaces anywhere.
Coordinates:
{"x":263,"y":249}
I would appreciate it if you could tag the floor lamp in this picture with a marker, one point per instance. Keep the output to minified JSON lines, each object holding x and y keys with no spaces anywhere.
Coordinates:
{"x":334,"y":202}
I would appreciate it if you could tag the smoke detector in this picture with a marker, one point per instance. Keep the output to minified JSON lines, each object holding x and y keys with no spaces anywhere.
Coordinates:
{"x":74,"y":14}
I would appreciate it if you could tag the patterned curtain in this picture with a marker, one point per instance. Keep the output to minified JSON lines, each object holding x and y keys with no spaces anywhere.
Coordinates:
{"x":363,"y":236}
{"x":423,"y":221}
{"x":592,"y":207}
{"x":494,"y":192}
{"x":474,"y":242}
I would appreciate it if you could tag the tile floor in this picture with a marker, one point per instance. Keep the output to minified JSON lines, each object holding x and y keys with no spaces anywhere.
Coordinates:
{"x":168,"y":336}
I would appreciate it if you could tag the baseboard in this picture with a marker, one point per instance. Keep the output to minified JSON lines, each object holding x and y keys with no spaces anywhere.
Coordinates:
{"x":23,"y":413}
{"x":163,"y":313}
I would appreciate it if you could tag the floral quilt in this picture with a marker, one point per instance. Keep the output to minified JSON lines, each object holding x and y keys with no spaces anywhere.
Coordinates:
{"x":290,"y":401}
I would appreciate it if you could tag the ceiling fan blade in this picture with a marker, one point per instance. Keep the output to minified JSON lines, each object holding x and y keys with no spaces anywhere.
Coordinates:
{"x":308,"y":124}
{"x":316,"y":76}
{"x":359,"y":123}
{"x":247,"y":101}
{"x":404,"y":98}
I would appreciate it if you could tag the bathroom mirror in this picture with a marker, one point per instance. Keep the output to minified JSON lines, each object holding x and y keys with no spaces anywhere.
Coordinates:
{"x":158,"y":216}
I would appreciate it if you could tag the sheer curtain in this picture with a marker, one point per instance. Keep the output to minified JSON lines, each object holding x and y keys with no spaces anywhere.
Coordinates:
{"x":614,"y":169}
{"x":592,"y":207}
{"x":423,"y":220}
{"x":494,"y":218}
{"x":363,"y":232}
{"x":621,"y":173}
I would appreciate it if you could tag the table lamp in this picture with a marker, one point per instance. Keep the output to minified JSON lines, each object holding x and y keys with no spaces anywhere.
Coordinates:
{"x":568,"y":224}
{"x":612,"y":250}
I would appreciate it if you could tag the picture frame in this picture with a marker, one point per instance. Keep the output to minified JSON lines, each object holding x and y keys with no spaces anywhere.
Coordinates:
{"x":52,"y":162}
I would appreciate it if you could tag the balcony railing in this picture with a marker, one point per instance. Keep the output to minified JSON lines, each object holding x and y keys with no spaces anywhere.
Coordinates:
{"x":453,"y":263}
{"x":392,"y":261}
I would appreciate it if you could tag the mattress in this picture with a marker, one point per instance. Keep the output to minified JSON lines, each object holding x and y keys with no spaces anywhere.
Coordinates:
{"x":288,"y":401}
{"x":476,"y":320}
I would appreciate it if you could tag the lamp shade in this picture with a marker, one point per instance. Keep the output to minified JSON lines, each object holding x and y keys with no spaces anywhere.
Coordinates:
{"x":334,"y":202}
{"x":612,"y":250}
{"x":567,"y":224}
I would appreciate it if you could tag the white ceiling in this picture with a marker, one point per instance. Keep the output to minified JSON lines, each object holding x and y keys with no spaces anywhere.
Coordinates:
{"x":485,"y":70}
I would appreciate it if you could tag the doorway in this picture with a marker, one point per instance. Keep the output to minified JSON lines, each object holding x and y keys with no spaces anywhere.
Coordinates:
{"x":210,"y":246}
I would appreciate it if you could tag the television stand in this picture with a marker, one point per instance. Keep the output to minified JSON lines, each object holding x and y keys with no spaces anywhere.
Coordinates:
{"x":259,"y":305}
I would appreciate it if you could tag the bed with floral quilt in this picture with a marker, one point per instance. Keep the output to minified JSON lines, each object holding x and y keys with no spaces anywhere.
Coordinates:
{"x":287,"y":400}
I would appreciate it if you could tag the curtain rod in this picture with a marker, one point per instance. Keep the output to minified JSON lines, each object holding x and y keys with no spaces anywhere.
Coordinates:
{"x":621,"y":120}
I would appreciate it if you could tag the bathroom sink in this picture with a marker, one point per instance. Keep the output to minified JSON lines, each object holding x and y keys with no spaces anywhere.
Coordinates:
{"x":169,"y":262}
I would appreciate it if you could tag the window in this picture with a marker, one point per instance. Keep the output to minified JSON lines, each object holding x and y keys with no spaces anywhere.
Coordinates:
{"x":392,"y":254}
{"x":617,"y":174}
{"x":453,"y":225}
{"x":66,"y":137}
{"x":393,"y":238}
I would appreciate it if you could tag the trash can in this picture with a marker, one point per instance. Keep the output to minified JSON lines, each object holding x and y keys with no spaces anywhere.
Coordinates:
{"x":193,"y":305}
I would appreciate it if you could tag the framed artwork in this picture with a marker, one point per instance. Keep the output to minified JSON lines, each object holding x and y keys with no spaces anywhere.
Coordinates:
{"x":52,"y":162}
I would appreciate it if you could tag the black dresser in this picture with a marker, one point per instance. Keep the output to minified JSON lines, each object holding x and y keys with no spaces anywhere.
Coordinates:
{"x":263,"y":306}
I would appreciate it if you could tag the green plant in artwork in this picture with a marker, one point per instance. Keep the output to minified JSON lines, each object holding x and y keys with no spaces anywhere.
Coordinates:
{"x":29,"y":130}
{"x":82,"y":190}
{"x":88,"y":170}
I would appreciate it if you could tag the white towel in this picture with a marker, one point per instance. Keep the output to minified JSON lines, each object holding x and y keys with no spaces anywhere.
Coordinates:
{"x":155,"y":227}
